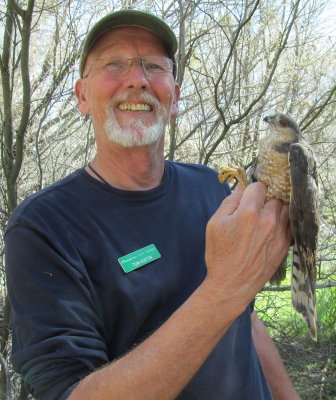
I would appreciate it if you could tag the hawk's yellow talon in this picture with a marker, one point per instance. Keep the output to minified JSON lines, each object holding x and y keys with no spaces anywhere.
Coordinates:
{"x":227,"y":174}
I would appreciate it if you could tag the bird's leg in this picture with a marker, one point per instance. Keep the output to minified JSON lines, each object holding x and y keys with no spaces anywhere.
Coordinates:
{"x":227,"y":174}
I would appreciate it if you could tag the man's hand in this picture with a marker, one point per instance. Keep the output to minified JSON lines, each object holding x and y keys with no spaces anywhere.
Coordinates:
{"x":246,"y":240}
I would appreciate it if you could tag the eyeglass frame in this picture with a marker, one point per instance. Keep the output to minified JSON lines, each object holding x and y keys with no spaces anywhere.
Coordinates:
{"x":140,"y":61}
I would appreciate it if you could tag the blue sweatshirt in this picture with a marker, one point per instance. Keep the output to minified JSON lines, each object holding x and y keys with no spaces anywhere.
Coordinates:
{"x":74,"y":308}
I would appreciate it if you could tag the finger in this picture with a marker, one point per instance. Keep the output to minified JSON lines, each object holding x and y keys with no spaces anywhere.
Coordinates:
{"x":275,"y":216}
{"x":284,"y":218}
{"x":281,"y":211}
{"x":274,"y":207}
{"x":231,"y":203}
{"x":283,"y":221}
{"x":284,"y":214}
{"x":239,"y":188}
{"x":254,"y":196}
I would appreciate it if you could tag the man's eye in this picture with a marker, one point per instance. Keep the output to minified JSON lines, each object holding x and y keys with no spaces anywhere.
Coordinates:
{"x":113,"y":63}
{"x":154,"y":67}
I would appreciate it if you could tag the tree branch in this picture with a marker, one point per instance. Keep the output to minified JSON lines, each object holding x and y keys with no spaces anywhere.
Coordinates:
{"x":227,"y":126}
{"x":26,"y":95}
{"x":318,"y":109}
{"x":288,"y":288}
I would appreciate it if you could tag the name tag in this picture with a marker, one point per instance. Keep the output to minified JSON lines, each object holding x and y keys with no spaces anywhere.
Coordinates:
{"x":139,"y":258}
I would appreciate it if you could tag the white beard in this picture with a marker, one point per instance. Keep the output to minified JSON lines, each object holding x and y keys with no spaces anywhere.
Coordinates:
{"x":135,"y":132}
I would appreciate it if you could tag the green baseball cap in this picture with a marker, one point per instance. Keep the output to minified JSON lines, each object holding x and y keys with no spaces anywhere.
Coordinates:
{"x":137,"y":18}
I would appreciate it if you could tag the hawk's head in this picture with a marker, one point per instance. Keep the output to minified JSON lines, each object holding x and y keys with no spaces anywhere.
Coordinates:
{"x":284,"y":127}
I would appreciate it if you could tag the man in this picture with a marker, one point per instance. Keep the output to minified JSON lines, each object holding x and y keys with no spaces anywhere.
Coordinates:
{"x":131,"y":278}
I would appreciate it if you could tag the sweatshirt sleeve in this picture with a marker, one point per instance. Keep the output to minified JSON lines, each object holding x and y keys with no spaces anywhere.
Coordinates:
{"x":58,"y":337}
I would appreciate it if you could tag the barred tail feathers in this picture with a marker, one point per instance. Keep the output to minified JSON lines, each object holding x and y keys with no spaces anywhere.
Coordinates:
{"x":303,"y":294}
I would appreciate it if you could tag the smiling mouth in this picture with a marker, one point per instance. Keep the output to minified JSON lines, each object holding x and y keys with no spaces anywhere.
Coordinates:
{"x":135,"y":107}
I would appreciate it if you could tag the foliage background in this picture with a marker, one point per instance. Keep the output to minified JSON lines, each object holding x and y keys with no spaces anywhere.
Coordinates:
{"x":238,"y":61}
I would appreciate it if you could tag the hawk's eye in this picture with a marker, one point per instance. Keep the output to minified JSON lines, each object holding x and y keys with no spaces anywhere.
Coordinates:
{"x":283,"y":123}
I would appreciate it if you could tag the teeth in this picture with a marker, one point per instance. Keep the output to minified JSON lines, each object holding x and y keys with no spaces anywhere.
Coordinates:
{"x":135,"y":107}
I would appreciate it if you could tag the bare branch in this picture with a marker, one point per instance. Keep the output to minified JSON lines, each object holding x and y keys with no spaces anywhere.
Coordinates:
{"x":288,"y":288}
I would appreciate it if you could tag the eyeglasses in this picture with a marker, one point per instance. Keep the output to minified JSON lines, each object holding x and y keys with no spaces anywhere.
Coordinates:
{"x":153,"y":66}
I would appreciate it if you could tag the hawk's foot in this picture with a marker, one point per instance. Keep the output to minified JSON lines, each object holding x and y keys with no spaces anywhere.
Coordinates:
{"x":227,"y":174}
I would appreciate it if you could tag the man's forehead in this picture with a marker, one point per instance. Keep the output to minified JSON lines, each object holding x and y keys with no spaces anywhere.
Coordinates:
{"x":128,"y":34}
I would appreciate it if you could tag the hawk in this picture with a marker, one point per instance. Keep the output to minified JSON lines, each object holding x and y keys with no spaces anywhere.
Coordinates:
{"x":288,"y":168}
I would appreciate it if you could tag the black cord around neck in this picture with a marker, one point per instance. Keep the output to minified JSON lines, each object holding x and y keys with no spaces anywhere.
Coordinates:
{"x":106,"y":183}
{"x":99,"y":176}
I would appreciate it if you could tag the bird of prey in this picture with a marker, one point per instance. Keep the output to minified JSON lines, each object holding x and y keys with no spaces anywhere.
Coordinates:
{"x":288,"y":168}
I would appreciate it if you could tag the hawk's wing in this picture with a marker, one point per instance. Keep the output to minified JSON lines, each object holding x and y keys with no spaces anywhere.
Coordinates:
{"x":304,"y":216}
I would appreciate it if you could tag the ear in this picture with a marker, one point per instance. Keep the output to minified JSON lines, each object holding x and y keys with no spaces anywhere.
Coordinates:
{"x":80,"y":90}
{"x":175,"y":107}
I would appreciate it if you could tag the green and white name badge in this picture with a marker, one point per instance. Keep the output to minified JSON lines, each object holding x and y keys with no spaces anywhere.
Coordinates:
{"x":139,"y":258}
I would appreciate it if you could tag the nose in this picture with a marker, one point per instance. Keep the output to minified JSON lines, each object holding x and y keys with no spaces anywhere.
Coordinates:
{"x":136,"y":76}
